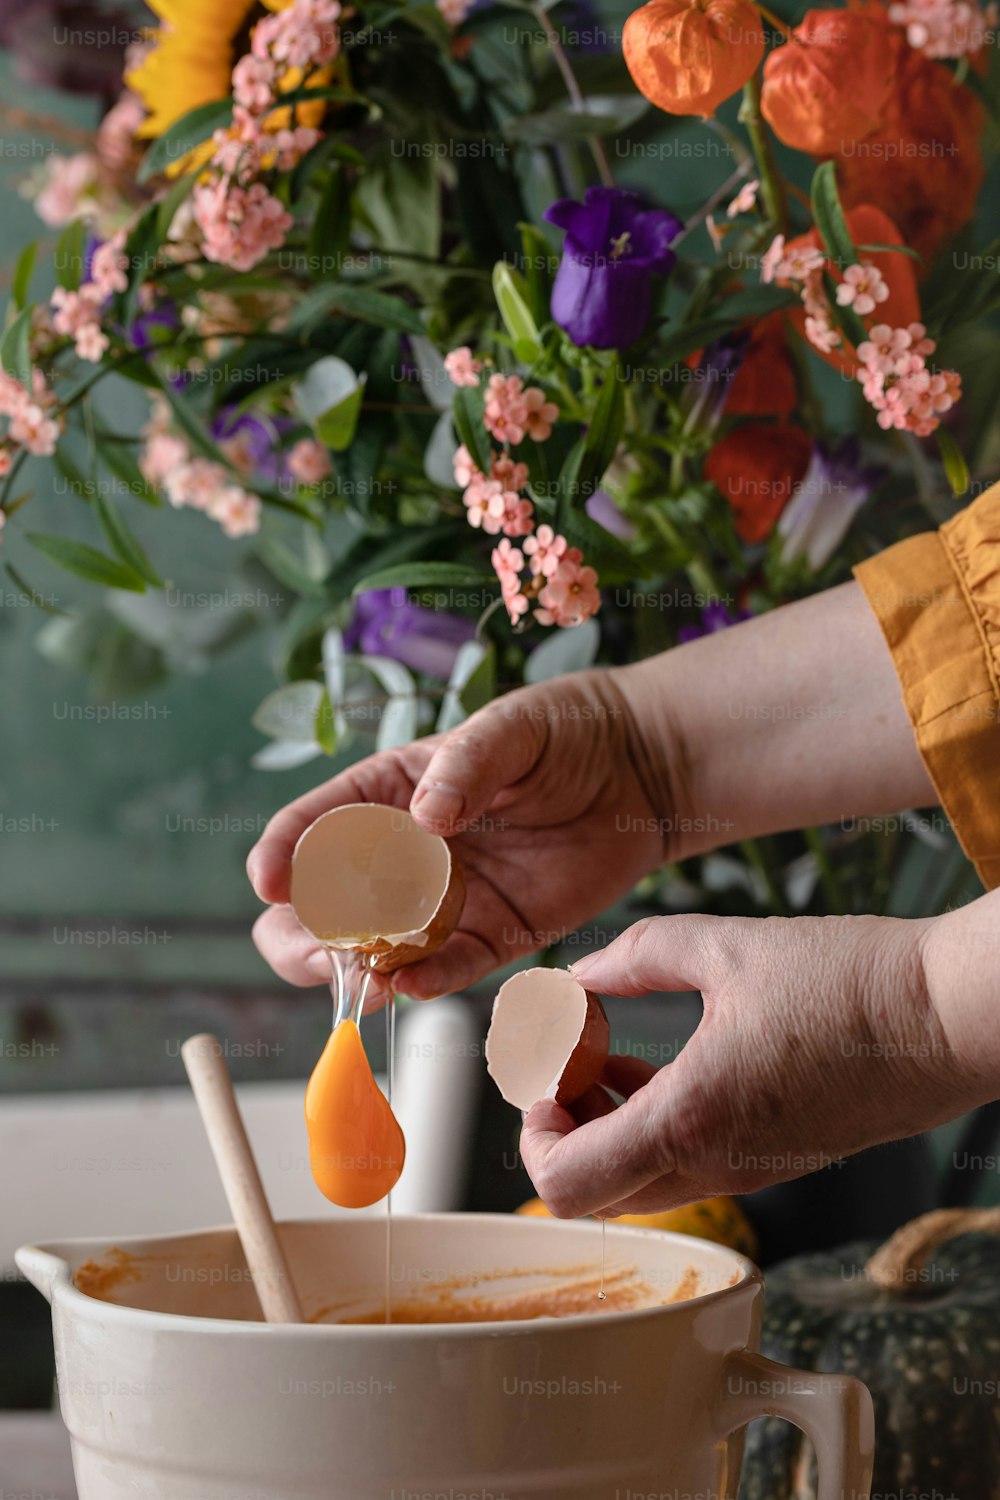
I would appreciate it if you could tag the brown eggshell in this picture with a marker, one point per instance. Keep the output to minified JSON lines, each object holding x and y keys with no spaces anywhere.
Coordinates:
{"x":586,"y":1061}
{"x":548,"y":1038}
{"x":364,"y":867}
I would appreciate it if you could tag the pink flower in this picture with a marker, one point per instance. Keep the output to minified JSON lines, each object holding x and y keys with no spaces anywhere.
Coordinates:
{"x":744,"y":200}
{"x":290,"y":146}
{"x":945,"y":28}
{"x":897,"y":383}
{"x":511,"y":474}
{"x":801,"y":264}
{"x":465,"y":469}
{"x":116,"y":133}
{"x":546,"y":550}
{"x":302,"y":36}
{"x":91,"y":342}
{"x":69,"y":191}
{"x":862,"y":287}
{"x":109,"y":267}
{"x":237,"y":511}
{"x":539,"y":414}
{"x":240,"y":225}
{"x":506,"y":411}
{"x":462,"y":368}
{"x":518,"y":514}
{"x":571,"y":595}
{"x":454,"y":12}
{"x":32,"y":429}
{"x":484,"y":505}
{"x":822,"y":334}
{"x":507,"y":562}
{"x":254,"y":80}
{"x":163,"y":453}
{"x":772,"y":258}
{"x":309,"y":462}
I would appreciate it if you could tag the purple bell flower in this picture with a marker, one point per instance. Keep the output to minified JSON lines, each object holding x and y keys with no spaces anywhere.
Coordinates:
{"x":386,"y":622}
{"x":614,"y":247}
{"x":816,"y":519}
{"x":257,"y":441}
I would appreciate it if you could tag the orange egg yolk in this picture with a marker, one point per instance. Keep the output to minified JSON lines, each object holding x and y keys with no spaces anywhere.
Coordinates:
{"x":356,"y":1148}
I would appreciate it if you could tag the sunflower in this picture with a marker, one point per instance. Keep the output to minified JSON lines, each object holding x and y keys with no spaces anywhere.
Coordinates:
{"x":190,"y":61}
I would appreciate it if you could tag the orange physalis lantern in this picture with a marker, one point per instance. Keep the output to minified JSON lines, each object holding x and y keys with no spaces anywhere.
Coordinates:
{"x":687,"y":56}
{"x":829,"y":85}
{"x":758,"y":469}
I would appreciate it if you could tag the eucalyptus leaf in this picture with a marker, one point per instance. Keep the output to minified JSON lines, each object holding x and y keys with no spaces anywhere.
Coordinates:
{"x":569,"y":649}
{"x":329,"y":398}
{"x":285,"y":755}
{"x":439,"y":455}
{"x":289,"y":713}
{"x":472,"y":683}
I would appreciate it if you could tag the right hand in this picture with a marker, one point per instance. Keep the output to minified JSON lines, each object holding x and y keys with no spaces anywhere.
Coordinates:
{"x":540,"y":796}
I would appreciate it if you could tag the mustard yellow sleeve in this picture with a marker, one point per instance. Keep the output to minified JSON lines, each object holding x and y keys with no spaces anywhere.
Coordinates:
{"x":937,"y":599}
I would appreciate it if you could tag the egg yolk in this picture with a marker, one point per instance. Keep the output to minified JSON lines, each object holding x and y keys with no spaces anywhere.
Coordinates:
{"x":356,"y":1148}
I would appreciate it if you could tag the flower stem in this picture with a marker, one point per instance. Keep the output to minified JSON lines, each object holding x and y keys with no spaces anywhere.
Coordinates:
{"x":772,"y":188}
{"x":573,"y":90}
{"x":755,"y":857}
{"x":697,"y":568}
{"x":827,"y":874}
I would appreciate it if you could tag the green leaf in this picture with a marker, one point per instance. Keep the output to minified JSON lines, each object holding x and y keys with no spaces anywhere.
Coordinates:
{"x":374,"y":307}
{"x":955,"y":466}
{"x":689,"y":337}
{"x":325,"y":725}
{"x":21,"y":279}
{"x":329,"y":236}
{"x":87,"y":562}
{"x":600,"y":549}
{"x":70,"y":253}
{"x":892,"y":250}
{"x":472,"y":683}
{"x":563,"y":122}
{"x":829,"y":217}
{"x":411,"y":575}
{"x":117,"y":458}
{"x":467,"y":415}
{"x":184,"y":135}
{"x":540,"y":262}
{"x":279,"y":558}
{"x":509,"y":291}
{"x":15,"y":348}
{"x":171,"y":201}
{"x":124,"y":543}
{"x":329,"y":398}
{"x":605,"y":429}
{"x":846,"y":317}
{"x":480,"y":686}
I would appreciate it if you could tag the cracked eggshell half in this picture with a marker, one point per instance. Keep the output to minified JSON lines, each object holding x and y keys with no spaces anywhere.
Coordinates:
{"x":548,"y":1038}
{"x":367,"y":878}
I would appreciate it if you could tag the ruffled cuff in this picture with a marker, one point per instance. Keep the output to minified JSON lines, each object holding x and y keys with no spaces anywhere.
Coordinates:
{"x":937,"y":598}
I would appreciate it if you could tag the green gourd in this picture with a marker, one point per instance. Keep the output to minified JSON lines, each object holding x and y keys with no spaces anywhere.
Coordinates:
{"x":919,"y":1322}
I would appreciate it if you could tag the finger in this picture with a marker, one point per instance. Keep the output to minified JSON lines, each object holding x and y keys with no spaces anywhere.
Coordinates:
{"x":593,"y":1105}
{"x":658,"y":953}
{"x":293,"y":954}
{"x":380,"y":778}
{"x":459,"y":962}
{"x":577,"y":1169}
{"x":626,"y":1075}
{"x":496,"y":748}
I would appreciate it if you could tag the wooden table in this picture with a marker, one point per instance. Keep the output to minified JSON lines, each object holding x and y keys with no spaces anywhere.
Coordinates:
{"x":34,"y":1456}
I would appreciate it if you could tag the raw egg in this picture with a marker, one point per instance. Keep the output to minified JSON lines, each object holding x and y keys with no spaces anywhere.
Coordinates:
{"x":369,"y":883}
{"x":356,"y":1147}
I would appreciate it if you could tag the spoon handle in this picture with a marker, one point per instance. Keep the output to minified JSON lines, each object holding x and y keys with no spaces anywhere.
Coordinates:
{"x":205,"y":1062}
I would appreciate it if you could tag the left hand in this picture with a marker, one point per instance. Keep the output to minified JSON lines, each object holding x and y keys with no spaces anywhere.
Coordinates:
{"x":819,"y":1038}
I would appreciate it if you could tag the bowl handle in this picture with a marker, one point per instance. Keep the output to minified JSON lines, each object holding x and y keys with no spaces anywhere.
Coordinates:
{"x":834,"y":1411}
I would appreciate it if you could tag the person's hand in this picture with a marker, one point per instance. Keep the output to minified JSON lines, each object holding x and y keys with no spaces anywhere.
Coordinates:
{"x":542,"y":796}
{"x":820,"y":1036}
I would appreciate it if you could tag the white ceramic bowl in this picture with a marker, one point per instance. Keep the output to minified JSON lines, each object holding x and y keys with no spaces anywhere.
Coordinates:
{"x":177,"y":1392}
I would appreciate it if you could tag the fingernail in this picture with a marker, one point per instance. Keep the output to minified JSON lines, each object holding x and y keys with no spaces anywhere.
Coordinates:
{"x":437,"y":803}
{"x":318,"y":963}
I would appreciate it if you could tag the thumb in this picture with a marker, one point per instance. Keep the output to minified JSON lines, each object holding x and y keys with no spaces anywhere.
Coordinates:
{"x":475,"y":762}
{"x":658,"y":953}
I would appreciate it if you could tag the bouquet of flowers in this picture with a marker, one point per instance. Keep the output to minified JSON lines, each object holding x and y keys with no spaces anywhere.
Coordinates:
{"x":423,"y":334}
